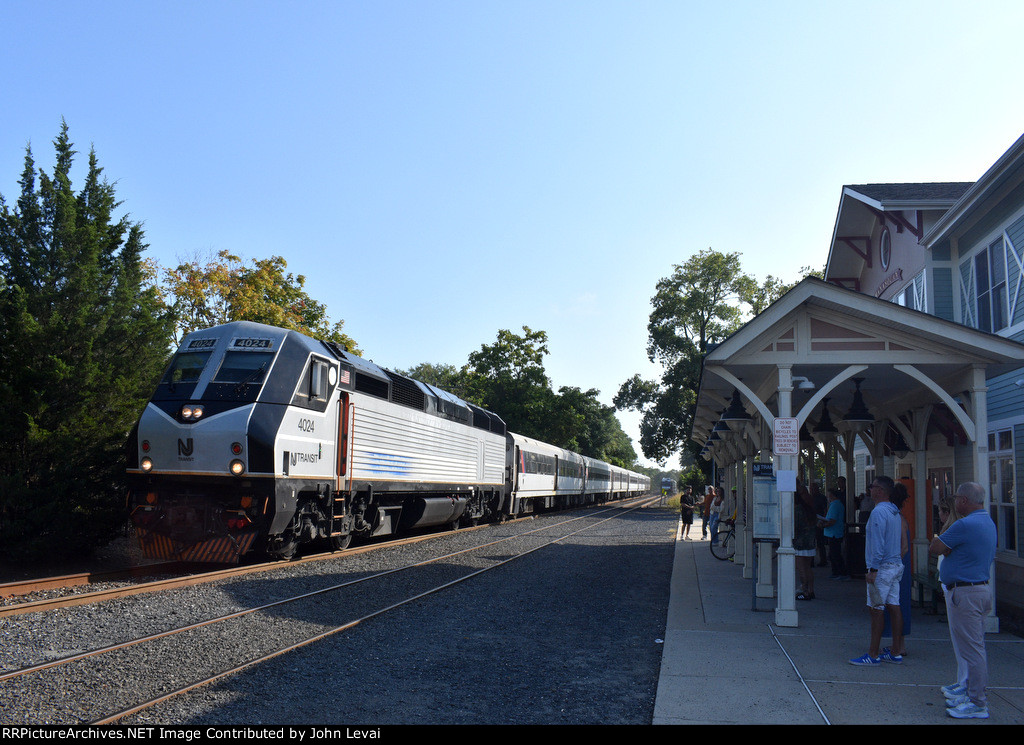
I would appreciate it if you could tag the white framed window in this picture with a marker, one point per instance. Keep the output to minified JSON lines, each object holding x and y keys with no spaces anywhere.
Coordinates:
{"x":990,"y":286}
{"x":1003,"y":488}
{"x":913,"y":295}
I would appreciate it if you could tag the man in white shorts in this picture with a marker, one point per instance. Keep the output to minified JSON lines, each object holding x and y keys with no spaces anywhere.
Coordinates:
{"x":882,"y":556}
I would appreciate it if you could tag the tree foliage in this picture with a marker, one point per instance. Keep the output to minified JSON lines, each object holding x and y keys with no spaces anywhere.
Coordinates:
{"x":700,"y":304}
{"x":225,"y":289}
{"x":83,"y":338}
{"x":508,"y":378}
{"x":694,"y":307}
{"x":580,"y":422}
{"x":444,"y":376}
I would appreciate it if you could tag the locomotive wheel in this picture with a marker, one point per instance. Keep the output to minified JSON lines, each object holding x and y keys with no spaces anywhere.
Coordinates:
{"x":341,"y":542}
{"x":285,"y":551}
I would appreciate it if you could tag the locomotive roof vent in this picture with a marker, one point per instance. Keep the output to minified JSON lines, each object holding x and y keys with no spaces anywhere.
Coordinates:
{"x":406,"y":392}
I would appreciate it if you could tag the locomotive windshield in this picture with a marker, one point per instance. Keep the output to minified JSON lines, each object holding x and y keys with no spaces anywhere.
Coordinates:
{"x":186,"y":368}
{"x":244,"y":367}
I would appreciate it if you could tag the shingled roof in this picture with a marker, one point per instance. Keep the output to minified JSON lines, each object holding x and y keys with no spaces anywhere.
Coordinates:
{"x":929,"y":192}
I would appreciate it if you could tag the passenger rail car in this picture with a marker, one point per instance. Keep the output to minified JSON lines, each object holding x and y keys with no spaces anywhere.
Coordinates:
{"x":260,"y":438}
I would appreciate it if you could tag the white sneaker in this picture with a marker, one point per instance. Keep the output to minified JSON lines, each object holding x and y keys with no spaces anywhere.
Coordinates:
{"x":969,"y":710}
{"x":954,"y":689}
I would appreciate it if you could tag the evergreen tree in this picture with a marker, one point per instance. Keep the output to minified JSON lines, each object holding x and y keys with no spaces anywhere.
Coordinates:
{"x":84,"y":337}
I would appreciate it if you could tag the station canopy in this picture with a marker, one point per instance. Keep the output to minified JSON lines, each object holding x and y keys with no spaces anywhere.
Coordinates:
{"x":834,"y":339}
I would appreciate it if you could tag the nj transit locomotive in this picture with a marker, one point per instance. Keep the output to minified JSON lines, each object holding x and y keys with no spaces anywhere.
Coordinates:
{"x":262,"y":439}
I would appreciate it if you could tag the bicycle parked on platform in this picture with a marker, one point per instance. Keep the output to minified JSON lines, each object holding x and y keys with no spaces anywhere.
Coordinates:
{"x":725,"y":547}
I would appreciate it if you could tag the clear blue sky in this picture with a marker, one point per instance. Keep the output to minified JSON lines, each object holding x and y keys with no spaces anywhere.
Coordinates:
{"x":440,"y":170}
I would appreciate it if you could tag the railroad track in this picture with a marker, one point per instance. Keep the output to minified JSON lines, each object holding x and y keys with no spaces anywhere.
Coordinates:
{"x":312,"y":616}
{"x":194,"y":574}
{"x":29,"y":586}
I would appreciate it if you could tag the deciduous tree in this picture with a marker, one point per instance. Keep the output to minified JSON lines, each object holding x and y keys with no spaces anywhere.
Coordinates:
{"x":226,"y":289}
{"x":694,"y":307}
{"x":701,"y":303}
{"x":508,"y":378}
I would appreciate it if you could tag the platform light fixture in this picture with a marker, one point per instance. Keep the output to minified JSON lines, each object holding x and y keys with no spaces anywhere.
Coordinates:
{"x":858,"y":417}
{"x":900,"y":448}
{"x":736,"y":412}
{"x":825,"y":429}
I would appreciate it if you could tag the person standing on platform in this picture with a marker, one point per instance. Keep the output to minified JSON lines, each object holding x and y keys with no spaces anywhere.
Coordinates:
{"x":899,"y":497}
{"x":883,"y":558}
{"x":969,"y":548}
{"x":714,"y":510}
{"x":834,"y":528}
{"x":705,"y":513}
{"x":820,"y":507}
{"x":686,"y":506}
{"x":804,"y":523}
{"x":948,"y":516}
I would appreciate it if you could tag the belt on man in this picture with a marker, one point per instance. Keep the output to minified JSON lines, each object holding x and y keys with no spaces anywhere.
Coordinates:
{"x":967,"y":584}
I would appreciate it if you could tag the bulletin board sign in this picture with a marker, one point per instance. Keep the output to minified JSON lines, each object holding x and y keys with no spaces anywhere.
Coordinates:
{"x":767,"y":509}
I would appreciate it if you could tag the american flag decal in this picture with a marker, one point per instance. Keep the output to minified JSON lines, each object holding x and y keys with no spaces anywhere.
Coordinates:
{"x":344,"y":376}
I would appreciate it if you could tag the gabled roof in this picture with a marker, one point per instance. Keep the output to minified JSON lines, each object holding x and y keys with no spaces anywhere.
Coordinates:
{"x":910,"y":196}
{"x":820,"y":329}
{"x":861,"y":206}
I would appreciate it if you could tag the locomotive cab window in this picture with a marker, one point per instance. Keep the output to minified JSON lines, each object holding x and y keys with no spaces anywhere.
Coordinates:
{"x":244,"y":367}
{"x":318,"y":379}
{"x":187,"y":367}
{"x":315,"y":384}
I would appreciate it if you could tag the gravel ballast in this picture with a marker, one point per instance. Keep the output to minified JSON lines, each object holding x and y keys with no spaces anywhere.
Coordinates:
{"x":569,"y":634}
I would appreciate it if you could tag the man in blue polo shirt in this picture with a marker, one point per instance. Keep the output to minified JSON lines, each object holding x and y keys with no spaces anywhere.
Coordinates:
{"x":969,"y":548}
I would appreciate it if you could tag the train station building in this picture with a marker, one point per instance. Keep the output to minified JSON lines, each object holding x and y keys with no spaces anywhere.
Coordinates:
{"x":907,"y":360}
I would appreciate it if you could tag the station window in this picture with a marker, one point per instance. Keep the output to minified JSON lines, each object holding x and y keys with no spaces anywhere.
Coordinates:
{"x":990,"y":284}
{"x":1002,"y":487}
{"x":913,"y":295}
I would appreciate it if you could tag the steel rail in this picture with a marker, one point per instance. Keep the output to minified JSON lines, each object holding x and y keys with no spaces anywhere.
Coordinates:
{"x":117,"y":716}
{"x":238,"y":614}
{"x":86,"y":598}
{"x":26,"y":586}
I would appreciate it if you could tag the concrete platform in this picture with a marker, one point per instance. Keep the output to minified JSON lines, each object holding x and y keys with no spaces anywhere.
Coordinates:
{"x":726,"y":663}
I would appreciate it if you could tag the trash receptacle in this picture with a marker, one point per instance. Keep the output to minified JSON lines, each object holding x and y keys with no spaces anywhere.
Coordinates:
{"x":855,"y":551}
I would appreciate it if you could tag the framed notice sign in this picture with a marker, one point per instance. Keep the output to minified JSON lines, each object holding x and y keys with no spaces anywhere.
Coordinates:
{"x":767,"y":510}
{"x":786,"y":436}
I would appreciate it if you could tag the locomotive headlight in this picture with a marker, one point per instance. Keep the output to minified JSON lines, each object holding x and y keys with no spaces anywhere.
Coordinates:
{"x":197,"y":411}
{"x":146,"y":464}
{"x":191,"y":412}
{"x":236,"y":467}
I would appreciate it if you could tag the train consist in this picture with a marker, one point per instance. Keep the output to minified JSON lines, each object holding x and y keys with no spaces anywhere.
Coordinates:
{"x":263,"y":439}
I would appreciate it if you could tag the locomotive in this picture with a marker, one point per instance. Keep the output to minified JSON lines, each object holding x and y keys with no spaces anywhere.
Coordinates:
{"x":261,"y":439}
